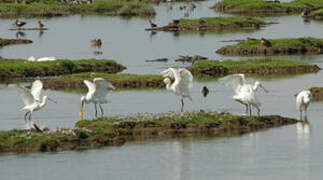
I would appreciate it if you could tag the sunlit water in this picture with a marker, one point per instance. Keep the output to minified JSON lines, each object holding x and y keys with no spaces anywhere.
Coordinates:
{"x":290,"y":152}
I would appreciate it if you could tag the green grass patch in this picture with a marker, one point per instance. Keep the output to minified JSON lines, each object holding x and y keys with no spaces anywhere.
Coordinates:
{"x":225,"y":21}
{"x":254,"y":63}
{"x":54,"y":8}
{"x":20,"y":69}
{"x":261,"y":6}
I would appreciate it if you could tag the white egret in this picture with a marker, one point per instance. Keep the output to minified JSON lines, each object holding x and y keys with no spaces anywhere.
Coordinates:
{"x":97,"y":94}
{"x":182,"y":84}
{"x":303,"y":100}
{"x":42,"y":59}
{"x":32,"y":100}
{"x":245,"y":93}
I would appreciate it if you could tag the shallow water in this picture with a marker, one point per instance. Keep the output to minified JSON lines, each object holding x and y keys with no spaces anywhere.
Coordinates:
{"x":290,"y":152}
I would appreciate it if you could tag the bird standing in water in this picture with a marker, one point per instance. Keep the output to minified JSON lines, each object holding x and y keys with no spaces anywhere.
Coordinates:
{"x":182,"y":84}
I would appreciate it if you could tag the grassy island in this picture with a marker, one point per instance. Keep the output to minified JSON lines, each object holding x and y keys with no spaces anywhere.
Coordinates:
{"x":266,"y":7}
{"x":117,"y":130}
{"x":7,"y":42}
{"x":17,"y":69}
{"x":212,"y":24}
{"x":55,"y":8}
{"x":255,"y":66}
{"x":120,"y":81}
{"x":278,"y":47}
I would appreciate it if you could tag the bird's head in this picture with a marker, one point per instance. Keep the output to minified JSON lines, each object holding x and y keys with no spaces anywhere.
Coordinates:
{"x":167,"y":81}
{"x":258,"y":84}
{"x":45,"y":98}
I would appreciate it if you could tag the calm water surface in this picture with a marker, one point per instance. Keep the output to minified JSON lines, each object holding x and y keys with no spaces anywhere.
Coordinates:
{"x":291,"y":152}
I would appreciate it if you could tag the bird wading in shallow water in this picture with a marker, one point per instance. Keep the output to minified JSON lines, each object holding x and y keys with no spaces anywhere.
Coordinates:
{"x":32,"y":100}
{"x":182,"y":84}
{"x":97,"y":94}
{"x":303,"y":100}
{"x":245,"y":93}
{"x":18,"y":23}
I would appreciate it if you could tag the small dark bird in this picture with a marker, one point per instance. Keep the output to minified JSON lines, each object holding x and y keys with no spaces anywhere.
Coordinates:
{"x":20,"y":34}
{"x":19,"y":23}
{"x":40,"y":24}
{"x":152,"y":25}
{"x":306,"y":12}
{"x":202,"y":22}
{"x":265,"y":42}
{"x":175,"y":21}
{"x":96,"y":42}
{"x":205,"y":91}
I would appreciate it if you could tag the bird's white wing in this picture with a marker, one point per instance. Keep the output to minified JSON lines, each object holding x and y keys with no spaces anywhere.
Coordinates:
{"x":36,"y":89}
{"x":238,"y":81}
{"x":171,"y":72}
{"x":185,"y":82}
{"x":90,"y":86}
{"x":101,"y":87}
{"x":26,"y":96}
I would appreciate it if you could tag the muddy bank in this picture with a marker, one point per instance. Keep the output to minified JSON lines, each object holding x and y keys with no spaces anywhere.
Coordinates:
{"x":261,"y":7}
{"x":315,"y":15}
{"x":117,"y":130}
{"x":55,"y":9}
{"x":274,"y":47}
{"x":211,"y":24}
{"x":317,"y":93}
{"x":6,"y":42}
{"x":17,"y":69}
{"x":120,"y":81}
{"x":258,"y":67}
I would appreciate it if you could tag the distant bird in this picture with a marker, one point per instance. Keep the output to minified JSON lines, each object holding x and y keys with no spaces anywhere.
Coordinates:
{"x":32,"y":100}
{"x":250,"y":39}
{"x":205,"y":91}
{"x":96,"y":42}
{"x":303,"y":100}
{"x":97,"y":94}
{"x":20,"y":34}
{"x":305,"y":13}
{"x":152,"y":25}
{"x":182,"y":84}
{"x":265,"y":42}
{"x":202,"y":22}
{"x":176,"y":21}
{"x":40,"y":24}
{"x":42,"y":59}
{"x":245,"y":93}
{"x":18,"y":23}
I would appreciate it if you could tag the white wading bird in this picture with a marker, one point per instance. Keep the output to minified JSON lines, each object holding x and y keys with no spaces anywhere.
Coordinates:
{"x":303,"y":100}
{"x":32,"y":100}
{"x":245,"y":93}
{"x":97,"y":94}
{"x":182,"y":84}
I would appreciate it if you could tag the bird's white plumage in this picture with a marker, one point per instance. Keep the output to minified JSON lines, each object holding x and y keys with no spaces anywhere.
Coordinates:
{"x":36,"y":89}
{"x":182,"y":84}
{"x":303,"y":99}
{"x":98,"y":90}
{"x":238,"y":81}
{"x":183,"y":81}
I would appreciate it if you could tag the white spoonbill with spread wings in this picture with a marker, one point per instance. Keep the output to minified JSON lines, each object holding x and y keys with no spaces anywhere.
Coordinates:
{"x":97,"y":94}
{"x":303,"y":100}
{"x":32,"y":100}
{"x":245,"y":93}
{"x":182,"y":84}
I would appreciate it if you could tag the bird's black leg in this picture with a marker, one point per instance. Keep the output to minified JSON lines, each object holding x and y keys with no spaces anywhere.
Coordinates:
{"x":246,"y":108}
{"x":300,"y":117}
{"x":102,"y":113}
{"x":258,"y":111}
{"x":250,"y":110}
{"x":96,"y":110}
{"x":29,"y":117}
{"x":182,"y":105}
{"x":26,"y":116}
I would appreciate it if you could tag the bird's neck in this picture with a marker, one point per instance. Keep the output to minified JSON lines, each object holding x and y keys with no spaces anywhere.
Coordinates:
{"x":255,"y":86}
{"x":43,"y":103}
